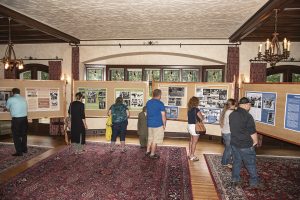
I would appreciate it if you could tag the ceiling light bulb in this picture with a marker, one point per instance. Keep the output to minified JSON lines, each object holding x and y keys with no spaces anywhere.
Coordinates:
{"x":21,"y":66}
{"x":6,"y":65}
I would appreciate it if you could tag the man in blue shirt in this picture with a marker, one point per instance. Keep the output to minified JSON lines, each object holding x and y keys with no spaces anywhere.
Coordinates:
{"x":156,"y":122}
{"x":17,"y":106}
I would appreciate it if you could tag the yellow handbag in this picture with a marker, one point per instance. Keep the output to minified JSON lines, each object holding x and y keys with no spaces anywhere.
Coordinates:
{"x":108,"y":131}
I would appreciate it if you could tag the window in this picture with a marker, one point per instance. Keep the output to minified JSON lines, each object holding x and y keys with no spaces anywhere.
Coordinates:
{"x":213,"y":75}
{"x":43,"y":75}
{"x":295,"y":77}
{"x":117,"y":74}
{"x":275,"y":78}
{"x":171,"y":75}
{"x":134,"y":74}
{"x":152,"y":75}
{"x":190,"y":75}
{"x":25,"y":75}
{"x":94,"y":73}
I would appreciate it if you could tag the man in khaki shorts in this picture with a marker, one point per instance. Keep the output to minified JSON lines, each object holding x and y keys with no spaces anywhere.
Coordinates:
{"x":156,"y":122}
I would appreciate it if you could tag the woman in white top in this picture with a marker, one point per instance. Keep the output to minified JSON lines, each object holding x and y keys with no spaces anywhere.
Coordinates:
{"x":225,"y":129}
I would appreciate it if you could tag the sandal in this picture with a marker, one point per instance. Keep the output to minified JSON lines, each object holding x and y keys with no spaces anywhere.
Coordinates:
{"x":195,"y":158}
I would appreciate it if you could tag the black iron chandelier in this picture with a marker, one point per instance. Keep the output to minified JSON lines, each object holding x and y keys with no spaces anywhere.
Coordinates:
{"x":9,"y":60}
{"x":273,"y":53}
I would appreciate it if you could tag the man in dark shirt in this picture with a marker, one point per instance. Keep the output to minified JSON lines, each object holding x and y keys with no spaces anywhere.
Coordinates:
{"x":243,"y":142}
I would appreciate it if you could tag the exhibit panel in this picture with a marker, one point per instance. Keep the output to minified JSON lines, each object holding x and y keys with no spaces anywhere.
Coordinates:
{"x":276,"y":109}
{"x":212,"y":97}
{"x":45,"y":98}
{"x":100,"y":95}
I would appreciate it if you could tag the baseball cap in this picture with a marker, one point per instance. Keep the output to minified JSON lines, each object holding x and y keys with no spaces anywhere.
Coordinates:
{"x":244,"y":100}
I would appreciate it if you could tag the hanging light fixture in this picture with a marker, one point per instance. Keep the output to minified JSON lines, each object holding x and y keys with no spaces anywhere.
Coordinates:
{"x":9,"y":60}
{"x":273,"y":53}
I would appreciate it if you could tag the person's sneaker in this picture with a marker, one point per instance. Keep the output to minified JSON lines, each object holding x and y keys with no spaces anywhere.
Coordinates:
{"x":237,"y":184}
{"x":147,"y":153}
{"x":123,"y":150}
{"x":257,"y":186}
{"x":17,"y":154}
{"x":155,"y":156}
{"x":194,"y":158}
{"x":228,"y":165}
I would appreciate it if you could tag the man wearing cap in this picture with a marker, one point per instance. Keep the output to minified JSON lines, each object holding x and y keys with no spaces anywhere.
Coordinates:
{"x":243,"y":141}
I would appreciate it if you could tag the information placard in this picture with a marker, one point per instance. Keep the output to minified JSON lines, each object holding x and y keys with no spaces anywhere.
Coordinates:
{"x":292,"y":112}
{"x":42,"y":99}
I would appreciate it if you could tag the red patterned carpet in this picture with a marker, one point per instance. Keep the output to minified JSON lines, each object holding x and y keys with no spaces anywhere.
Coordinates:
{"x":7,"y":160}
{"x":100,"y":174}
{"x":280,"y":175}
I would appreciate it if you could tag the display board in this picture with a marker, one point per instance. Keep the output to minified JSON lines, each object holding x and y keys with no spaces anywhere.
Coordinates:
{"x":273,"y":101}
{"x":263,"y":106}
{"x":44,"y":98}
{"x":100,"y":95}
{"x":212,"y":98}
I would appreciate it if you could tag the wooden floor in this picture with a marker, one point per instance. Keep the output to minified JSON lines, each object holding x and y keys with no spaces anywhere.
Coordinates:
{"x":202,"y":184}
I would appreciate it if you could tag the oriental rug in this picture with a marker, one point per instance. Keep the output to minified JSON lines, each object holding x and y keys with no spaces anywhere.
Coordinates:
{"x":7,"y":160}
{"x":101,"y":174}
{"x":280,"y":176}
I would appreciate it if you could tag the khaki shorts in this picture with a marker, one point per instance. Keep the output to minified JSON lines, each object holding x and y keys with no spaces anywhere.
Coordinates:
{"x":156,"y":135}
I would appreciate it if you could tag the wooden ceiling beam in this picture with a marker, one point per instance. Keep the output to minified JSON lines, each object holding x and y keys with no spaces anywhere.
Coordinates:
{"x":257,"y":19}
{"x":5,"y":11}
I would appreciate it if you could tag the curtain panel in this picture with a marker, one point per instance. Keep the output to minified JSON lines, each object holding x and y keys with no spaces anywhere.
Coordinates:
{"x":233,"y":68}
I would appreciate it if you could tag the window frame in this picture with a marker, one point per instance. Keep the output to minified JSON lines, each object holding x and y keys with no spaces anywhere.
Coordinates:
{"x":93,"y":66}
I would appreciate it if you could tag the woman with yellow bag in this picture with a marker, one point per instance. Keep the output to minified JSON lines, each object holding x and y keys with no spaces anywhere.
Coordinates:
{"x":108,"y":131}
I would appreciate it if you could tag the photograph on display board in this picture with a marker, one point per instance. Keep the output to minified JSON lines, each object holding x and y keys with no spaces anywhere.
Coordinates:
{"x":256,"y":104}
{"x":173,"y":95}
{"x":94,"y":98}
{"x":132,"y":98}
{"x":211,"y":98}
{"x":263,"y":106}
{"x":211,"y":102}
{"x":268,"y":108}
{"x":54,"y":97}
{"x":292,"y":112}
{"x":42,"y":99}
{"x":211,"y":115}
{"x":172,"y":112}
{"x":5,"y":93}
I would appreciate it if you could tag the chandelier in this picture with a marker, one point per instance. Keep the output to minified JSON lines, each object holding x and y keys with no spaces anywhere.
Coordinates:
{"x":273,"y":53}
{"x":9,"y":60}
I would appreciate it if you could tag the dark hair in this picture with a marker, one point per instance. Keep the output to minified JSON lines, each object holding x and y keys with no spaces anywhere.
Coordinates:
{"x":16,"y":91}
{"x":119,"y":100}
{"x":156,"y":93}
{"x":229,"y":103}
{"x":78,"y":95}
{"x":144,"y":109}
{"x":193,"y":102}
{"x":244,"y":100}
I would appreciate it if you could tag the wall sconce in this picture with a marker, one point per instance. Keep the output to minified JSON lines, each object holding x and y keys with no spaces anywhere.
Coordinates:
{"x":66,"y":78}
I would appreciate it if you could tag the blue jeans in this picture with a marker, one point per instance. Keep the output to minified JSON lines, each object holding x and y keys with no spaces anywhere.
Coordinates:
{"x":119,"y":129}
{"x":248,"y":156}
{"x":226,"y":158}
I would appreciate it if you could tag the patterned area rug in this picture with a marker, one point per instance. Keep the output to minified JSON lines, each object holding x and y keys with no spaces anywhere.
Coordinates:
{"x":100,"y":174}
{"x":7,"y":160}
{"x":280,"y":175}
